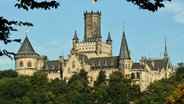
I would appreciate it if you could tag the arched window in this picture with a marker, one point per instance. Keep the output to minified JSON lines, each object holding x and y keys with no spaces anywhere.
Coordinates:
{"x":73,"y":64}
{"x":21,"y":64}
{"x":138,"y":75}
{"x":29,"y":64}
{"x":132,"y":76}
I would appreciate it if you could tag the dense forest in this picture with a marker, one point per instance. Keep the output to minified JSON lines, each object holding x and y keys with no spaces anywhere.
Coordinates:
{"x":37,"y":89}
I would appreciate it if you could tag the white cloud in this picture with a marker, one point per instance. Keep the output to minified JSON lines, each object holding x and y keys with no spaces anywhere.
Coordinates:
{"x":177,"y":9}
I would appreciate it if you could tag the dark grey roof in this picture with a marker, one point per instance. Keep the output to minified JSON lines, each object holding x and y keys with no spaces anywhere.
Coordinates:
{"x":101,"y":62}
{"x":26,"y":47}
{"x":124,"y":52}
{"x":155,"y":64}
{"x":52,"y":65}
{"x":136,"y":66}
{"x":109,"y":37}
{"x":75,"y":36}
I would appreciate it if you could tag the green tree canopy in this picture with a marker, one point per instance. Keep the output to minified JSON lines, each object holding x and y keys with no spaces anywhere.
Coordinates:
{"x":177,"y":97}
{"x":8,"y":74}
{"x":121,"y":90}
{"x":101,"y":78}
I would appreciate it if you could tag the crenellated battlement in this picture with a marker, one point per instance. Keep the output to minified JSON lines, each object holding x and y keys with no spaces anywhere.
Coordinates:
{"x":92,"y":13}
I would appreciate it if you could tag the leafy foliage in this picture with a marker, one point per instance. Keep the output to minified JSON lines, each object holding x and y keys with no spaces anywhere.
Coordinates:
{"x":118,"y":90}
{"x":8,"y":74}
{"x":157,"y":91}
{"x":151,"y":5}
{"x":6,"y":28}
{"x":101,"y":78}
{"x":34,"y":4}
{"x":79,"y":82}
{"x":177,"y":97}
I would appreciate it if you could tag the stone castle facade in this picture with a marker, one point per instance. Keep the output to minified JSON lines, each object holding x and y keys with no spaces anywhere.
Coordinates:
{"x":93,"y":55}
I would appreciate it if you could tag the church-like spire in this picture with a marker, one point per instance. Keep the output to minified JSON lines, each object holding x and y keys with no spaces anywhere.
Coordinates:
{"x":124,"y":52}
{"x":165,"y":51}
{"x":109,"y":37}
{"x":26,"y":47}
{"x":75,"y":36}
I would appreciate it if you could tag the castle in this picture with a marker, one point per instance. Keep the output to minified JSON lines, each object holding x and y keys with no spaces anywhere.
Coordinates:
{"x":94,"y":55}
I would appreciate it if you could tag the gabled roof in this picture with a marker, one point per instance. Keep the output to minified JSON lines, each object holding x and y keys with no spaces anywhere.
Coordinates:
{"x":156,"y":64}
{"x":137,"y":66}
{"x":124,"y":52}
{"x":52,"y":65}
{"x":26,"y":47}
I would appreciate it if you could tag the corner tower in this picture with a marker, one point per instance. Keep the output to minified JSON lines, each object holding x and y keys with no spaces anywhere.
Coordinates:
{"x":27,"y":61}
{"x":92,"y":22}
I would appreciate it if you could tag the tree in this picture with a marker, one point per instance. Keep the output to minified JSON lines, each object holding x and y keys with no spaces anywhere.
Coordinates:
{"x":179,"y":75}
{"x":12,"y":89}
{"x":58,"y":87}
{"x":181,"y":64}
{"x":151,"y":5}
{"x":121,"y":90}
{"x":79,"y":81}
{"x":157,"y":92}
{"x":177,"y":97}
{"x":101,"y":78}
{"x":79,"y":91}
{"x":8,"y":74}
{"x":39,"y":81}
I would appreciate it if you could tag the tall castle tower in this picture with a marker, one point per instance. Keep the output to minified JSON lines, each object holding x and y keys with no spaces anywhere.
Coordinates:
{"x":92,"y":45}
{"x":92,"y":22}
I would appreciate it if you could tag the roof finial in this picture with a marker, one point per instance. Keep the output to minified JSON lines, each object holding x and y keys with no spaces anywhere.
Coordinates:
{"x":93,"y":1}
{"x":123,"y":25}
{"x":165,"y":51}
{"x":26,"y":31}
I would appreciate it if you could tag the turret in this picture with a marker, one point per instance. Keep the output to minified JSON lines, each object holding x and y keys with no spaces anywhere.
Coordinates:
{"x":125,"y":62}
{"x":109,"y":40}
{"x":27,"y":61}
{"x":75,"y":39}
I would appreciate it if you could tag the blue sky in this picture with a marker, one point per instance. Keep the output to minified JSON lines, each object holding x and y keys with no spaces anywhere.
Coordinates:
{"x":145,"y":31}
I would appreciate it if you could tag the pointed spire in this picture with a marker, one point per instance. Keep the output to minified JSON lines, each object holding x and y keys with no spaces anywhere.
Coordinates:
{"x":75,"y":36}
{"x":109,"y":37}
{"x":165,"y":51}
{"x":124,"y":52}
{"x":26,"y":47}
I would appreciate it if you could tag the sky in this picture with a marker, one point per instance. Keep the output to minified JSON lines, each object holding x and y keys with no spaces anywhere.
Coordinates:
{"x":53,"y":30}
